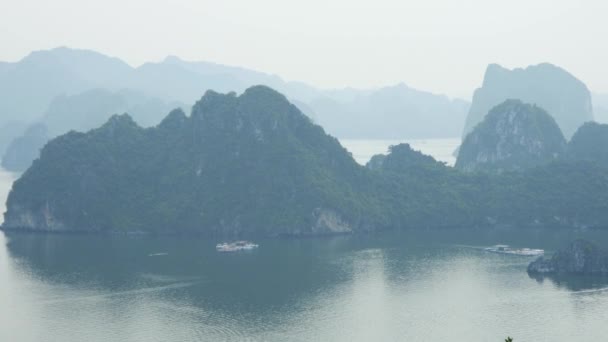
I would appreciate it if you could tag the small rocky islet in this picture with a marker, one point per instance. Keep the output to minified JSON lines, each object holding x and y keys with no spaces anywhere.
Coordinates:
{"x":580,"y":257}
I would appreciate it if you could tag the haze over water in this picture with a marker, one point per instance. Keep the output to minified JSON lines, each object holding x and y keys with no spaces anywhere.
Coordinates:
{"x":414,"y":286}
{"x":6,"y":181}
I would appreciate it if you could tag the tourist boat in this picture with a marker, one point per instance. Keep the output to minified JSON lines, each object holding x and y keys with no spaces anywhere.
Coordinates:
{"x":505,"y":249}
{"x":236,"y":246}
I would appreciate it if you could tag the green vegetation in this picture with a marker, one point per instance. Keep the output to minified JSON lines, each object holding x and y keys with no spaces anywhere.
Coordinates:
{"x":546,"y":85}
{"x":255,"y":164}
{"x":251,"y":163}
{"x":513,"y":136}
{"x":590,"y":143}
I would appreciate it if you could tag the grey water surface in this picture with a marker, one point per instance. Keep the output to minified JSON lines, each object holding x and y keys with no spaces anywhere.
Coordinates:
{"x":412,"y":286}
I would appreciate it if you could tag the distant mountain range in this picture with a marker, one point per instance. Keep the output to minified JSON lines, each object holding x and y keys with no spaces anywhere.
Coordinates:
{"x":600,"y":107}
{"x":28,"y":86}
{"x":68,"y":89}
{"x":394,"y":112}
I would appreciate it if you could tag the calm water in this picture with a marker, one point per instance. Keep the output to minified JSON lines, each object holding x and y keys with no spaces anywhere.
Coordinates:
{"x":407,"y":287}
{"x":413,"y":286}
{"x":440,"y":149}
{"x":6,"y":180}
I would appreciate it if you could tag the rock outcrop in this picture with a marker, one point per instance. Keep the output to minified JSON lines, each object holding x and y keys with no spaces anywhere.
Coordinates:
{"x":565,"y":97}
{"x":513,"y":136}
{"x":580,"y":257}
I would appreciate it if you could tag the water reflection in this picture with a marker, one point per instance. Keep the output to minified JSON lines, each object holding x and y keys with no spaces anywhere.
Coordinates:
{"x":6,"y":182}
{"x":575,"y":283}
{"x":115,"y":262}
{"x":385,"y":287}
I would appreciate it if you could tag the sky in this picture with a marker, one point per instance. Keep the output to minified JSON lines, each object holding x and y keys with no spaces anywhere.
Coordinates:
{"x":441,"y":46}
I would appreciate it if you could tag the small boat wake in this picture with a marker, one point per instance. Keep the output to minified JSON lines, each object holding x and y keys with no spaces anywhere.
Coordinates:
{"x":602,"y":289}
{"x":236,"y":246}
{"x":505,"y":249}
{"x":112,"y":294}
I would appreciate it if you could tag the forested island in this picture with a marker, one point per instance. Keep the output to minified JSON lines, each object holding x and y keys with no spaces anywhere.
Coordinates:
{"x":254,"y":164}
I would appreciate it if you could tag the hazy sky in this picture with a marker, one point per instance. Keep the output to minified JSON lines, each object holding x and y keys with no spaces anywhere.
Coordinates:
{"x":437,"y":45}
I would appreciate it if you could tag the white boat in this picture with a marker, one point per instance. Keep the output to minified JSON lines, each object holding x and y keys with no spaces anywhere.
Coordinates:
{"x":236,"y":246}
{"x":505,"y":249}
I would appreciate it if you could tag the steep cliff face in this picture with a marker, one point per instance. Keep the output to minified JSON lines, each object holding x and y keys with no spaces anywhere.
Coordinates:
{"x":513,"y":136}
{"x":590,"y":143}
{"x":580,"y":257}
{"x":562,"y":95}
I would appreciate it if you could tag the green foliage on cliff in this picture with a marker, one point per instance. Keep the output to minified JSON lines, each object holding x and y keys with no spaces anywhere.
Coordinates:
{"x":255,"y":164}
{"x":513,"y":136}
{"x":560,"y":93}
{"x":590,"y":143}
{"x":557,"y":194}
{"x":246,"y":163}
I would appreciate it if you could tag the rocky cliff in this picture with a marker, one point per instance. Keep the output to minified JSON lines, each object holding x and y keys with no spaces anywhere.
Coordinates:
{"x":561,"y":94}
{"x":513,"y":136}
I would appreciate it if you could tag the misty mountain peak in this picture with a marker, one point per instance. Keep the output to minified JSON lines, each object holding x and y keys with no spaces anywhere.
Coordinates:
{"x":120,"y":122}
{"x":258,"y":101}
{"x":172,"y":59}
{"x":565,"y":98}
{"x":176,"y":118}
{"x":266,"y":93}
{"x":75,"y":58}
{"x":513,"y":136}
